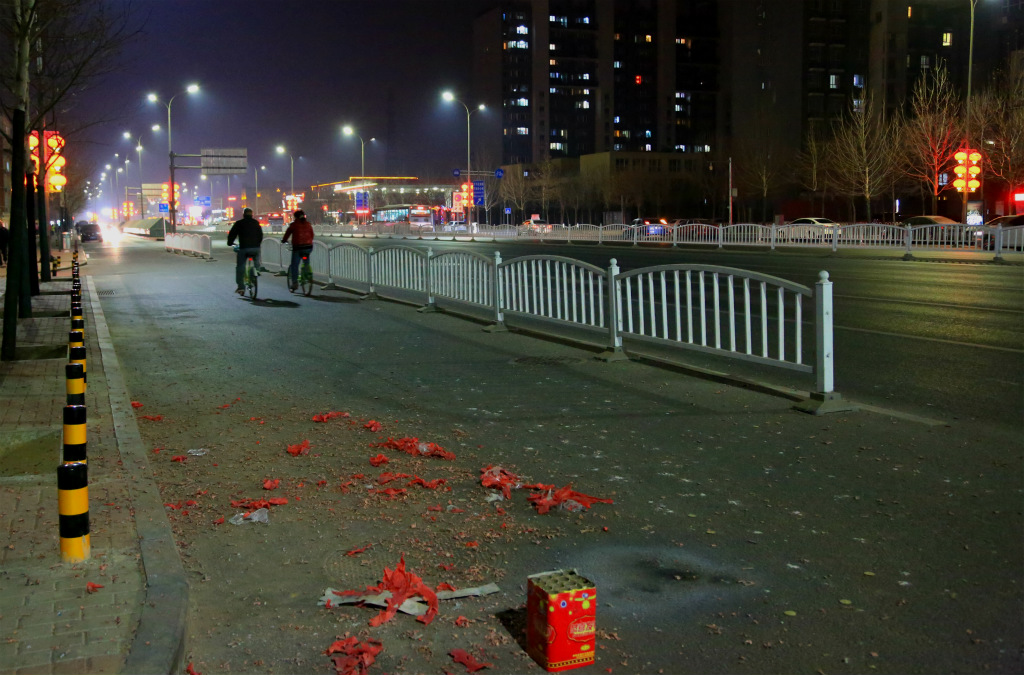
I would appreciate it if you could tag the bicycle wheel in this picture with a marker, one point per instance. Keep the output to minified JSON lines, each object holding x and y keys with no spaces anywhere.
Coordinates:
{"x":251,"y":280}
{"x":306,"y":278}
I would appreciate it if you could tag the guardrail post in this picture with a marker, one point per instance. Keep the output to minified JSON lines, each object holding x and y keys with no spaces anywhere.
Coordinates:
{"x":998,"y":243}
{"x":835,"y":238}
{"x":825,"y":399}
{"x":431,"y":305}
{"x":600,"y":235}
{"x":908,"y":237}
{"x":498,"y":326}
{"x":675,"y":235}
{"x":774,"y":234}
{"x":371,"y":269}
{"x":614,"y":351}
{"x":720,"y":235}
{"x":636,"y":234}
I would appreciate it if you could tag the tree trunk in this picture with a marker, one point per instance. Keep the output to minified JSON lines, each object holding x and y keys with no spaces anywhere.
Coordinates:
{"x":16,"y":248}
{"x":30,"y":218}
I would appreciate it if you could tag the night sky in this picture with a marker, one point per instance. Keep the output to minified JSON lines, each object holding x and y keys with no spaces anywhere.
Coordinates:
{"x":292,"y":73}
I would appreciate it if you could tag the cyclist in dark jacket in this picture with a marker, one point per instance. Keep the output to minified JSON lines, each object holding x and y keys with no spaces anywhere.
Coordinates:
{"x":250,"y":235}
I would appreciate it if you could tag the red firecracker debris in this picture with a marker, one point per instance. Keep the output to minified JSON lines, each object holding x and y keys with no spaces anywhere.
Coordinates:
{"x":373,"y":425}
{"x":403,"y":585}
{"x":226,"y":405}
{"x":565,"y":498}
{"x":136,"y":404}
{"x":387,"y":477}
{"x":219,"y":521}
{"x":299,"y":449}
{"x":378,"y":460}
{"x":325,"y":417}
{"x":254,"y":504}
{"x":391,"y":493}
{"x":355,"y":656}
{"x":467,"y":659}
{"x":192,"y":671}
{"x":271,"y":484}
{"x":429,"y":484}
{"x":321,"y":483}
{"x":152,"y":418}
{"x":415,"y":447}
{"x":178,"y":458}
{"x":445,"y":586}
{"x":356,"y":551}
{"x":90,"y":587}
{"x":495,"y":476}
{"x":435,"y":507}
{"x":462,"y":622}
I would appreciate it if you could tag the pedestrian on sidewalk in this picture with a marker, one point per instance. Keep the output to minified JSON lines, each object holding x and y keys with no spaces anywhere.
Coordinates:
{"x":5,"y":237}
{"x":250,"y":236}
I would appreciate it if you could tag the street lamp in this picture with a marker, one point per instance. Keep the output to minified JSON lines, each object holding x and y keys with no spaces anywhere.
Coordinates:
{"x":348,"y":131}
{"x":967,"y":142}
{"x":448,"y":96}
{"x":171,"y":207}
{"x":256,"y":196}
{"x":281,"y":151}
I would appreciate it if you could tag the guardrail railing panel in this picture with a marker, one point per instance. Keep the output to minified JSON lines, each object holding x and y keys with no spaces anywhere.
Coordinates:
{"x":745,"y":234}
{"x":716,"y":309}
{"x":319,"y":261}
{"x":205,"y":246}
{"x":871,"y":235}
{"x":400,"y":267}
{"x":272,"y":255}
{"x":554,"y":287}
{"x":465,"y":276}
{"x":350,"y":266}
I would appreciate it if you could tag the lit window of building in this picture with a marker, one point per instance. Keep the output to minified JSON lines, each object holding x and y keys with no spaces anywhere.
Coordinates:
{"x":947,"y":39}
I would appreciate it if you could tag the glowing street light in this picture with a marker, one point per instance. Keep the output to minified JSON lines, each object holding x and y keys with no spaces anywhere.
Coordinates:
{"x":172,"y":210}
{"x":282,"y":151}
{"x":448,"y":96}
{"x":349,"y":131}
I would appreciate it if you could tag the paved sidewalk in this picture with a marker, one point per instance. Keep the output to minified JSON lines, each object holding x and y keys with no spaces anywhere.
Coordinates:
{"x":49,"y":621}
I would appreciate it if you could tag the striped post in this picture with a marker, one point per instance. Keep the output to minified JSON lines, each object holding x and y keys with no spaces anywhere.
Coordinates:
{"x":74,"y":434}
{"x":74,"y":380}
{"x":76,"y":310}
{"x":77,"y":355}
{"x":78,"y":325}
{"x":73,"y":511}
{"x":76,"y":338}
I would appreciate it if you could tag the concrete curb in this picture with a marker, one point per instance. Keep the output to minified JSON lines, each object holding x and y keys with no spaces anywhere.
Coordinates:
{"x":159,"y":642}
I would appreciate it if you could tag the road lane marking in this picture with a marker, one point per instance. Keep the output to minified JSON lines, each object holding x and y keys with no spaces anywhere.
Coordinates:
{"x":904,"y":336}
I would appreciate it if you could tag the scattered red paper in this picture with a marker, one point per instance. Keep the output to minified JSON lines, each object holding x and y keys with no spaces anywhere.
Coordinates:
{"x":467,"y":659}
{"x":445,"y":586}
{"x":373,"y":425}
{"x":415,"y":447}
{"x":356,"y":551}
{"x":254,"y":504}
{"x":271,"y":484}
{"x":329,"y":416}
{"x":435,"y":507}
{"x":321,"y":483}
{"x":356,"y":657}
{"x":391,"y":493}
{"x":462,"y":622}
{"x":430,"y":485}
{"x":156,"y":451}
{"x":178,"y":458}
{"x":219,"y":521}
{"x":136,"y":404}
{"x":387,"y":477}
{"x":226,"y":405}
{"x":564,"y":497}
{"x":90,"y":587}
{"x":299,"y":449}
{"x":378,"y":460}
{"x":192,"y":671}
{"x":152,"y":418}
{"x":403,"y":585}
{"x":495,"y":476}
{"x":472,"y":544}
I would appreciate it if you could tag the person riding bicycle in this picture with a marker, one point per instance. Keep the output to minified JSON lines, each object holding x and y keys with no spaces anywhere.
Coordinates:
{"x":302,"y":244}
{"x":250,"y":235}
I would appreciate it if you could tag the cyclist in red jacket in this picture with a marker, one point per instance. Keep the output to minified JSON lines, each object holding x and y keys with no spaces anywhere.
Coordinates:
{"x":301,"y":233}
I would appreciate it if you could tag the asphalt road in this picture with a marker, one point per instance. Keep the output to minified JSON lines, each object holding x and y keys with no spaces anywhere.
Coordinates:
{"x":941,"y":337}
{"x":743,"y":537}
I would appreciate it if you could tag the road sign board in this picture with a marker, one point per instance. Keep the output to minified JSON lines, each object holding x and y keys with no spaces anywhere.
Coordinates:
{"x":478,"y":193}
{"x":222,"y":161}
{"x":456,"y":172}
{"x":499,"y":173}
{"x":164,"y":208}
{"x":202,"y":201}
{"x":508,"y":210}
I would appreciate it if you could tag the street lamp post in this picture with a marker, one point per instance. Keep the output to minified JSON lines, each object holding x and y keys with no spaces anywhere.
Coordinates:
{"x":171,"y":206}
{"x":967,"y":143}
{"x":281,"y":151}
{"x":256,"y":195}
{"x":349,"y":131}
{"x":448,"y":96}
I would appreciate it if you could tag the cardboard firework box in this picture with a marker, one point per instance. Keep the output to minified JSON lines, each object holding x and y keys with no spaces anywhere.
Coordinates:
{"x":561,"y":619}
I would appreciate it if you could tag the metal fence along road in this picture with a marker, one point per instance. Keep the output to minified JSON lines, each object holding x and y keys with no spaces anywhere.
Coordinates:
{"x":719,"y":310}
{"x":198,"y":245}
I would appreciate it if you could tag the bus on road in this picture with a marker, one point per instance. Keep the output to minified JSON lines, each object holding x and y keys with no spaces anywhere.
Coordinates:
{"x":415,"y":217}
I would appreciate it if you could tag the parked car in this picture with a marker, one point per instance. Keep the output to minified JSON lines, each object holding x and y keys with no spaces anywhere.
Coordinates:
{"x":536,"y":225}
{"x":986,"y":235}
{"x":928,"y":220}
{"x":650,"y":227}
{"x":814,"y":220}
{"x":692,"y":228}
{"x":90,"y":232}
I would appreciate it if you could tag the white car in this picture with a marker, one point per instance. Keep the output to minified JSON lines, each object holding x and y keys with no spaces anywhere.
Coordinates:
{"x":825,"y":222}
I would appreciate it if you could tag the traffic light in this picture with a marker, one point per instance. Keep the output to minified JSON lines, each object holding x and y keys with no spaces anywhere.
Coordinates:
{"x":165,"y":193}
{"x":967,"y":169}
{"x":467,"y":193}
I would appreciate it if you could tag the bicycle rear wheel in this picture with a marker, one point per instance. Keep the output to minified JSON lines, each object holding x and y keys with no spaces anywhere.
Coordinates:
{"x":306,"y":278}
{"x":251,"y":280}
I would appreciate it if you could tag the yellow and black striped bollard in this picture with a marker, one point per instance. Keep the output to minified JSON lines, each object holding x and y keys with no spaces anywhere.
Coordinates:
{"x":73,"y":511}
{"x":77,"y":355}
{"x":76,"y":338}
{"x":74,"y":383}
{"x":74,"y":434}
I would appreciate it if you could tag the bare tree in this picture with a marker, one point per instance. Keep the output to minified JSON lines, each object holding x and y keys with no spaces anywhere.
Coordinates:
{"x":810,"y":164}
{"x":862,"y":155}
{"x":999,"y":113}
{"x":515,"y":189}
{"x":761,"y":168}
{"x":932,"y":133}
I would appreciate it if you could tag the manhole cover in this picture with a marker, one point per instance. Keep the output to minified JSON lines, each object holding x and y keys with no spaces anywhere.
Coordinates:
{"x":546,"y":360}
{"x":105,"y":293}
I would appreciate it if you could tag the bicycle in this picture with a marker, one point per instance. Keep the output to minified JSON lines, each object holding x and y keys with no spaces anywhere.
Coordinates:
{"x":251,"y":276}
{"x":305,"y":280}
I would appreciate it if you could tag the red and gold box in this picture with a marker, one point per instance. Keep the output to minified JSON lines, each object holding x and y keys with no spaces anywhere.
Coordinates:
{"x":560,"y":619}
